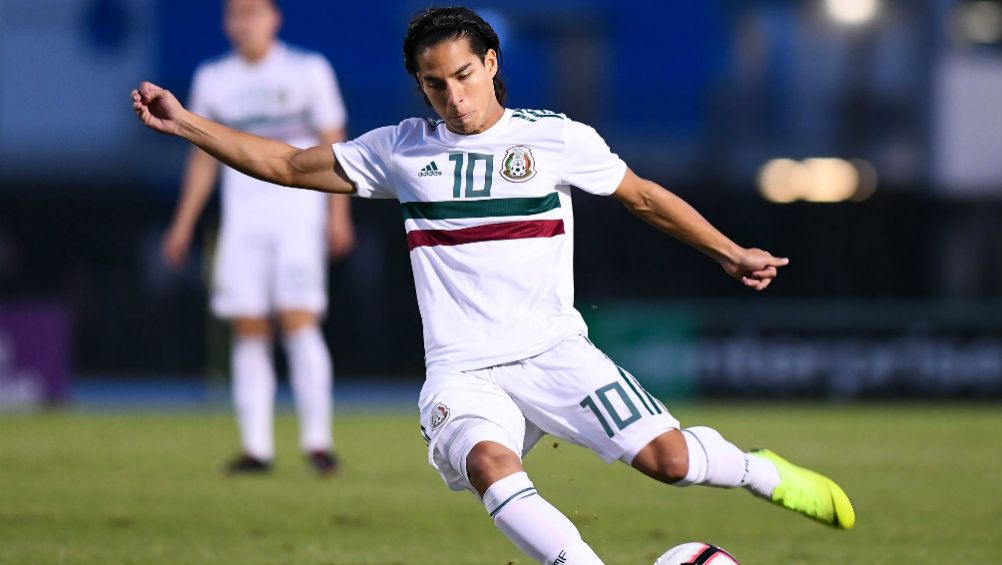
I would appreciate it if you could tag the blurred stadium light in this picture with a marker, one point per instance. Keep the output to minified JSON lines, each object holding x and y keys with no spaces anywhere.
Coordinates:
{"x":817,"y":180}
{"x":853,"y":12}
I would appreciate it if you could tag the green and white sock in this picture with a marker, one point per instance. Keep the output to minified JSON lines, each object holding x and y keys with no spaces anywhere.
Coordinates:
{"x":541,"y":531}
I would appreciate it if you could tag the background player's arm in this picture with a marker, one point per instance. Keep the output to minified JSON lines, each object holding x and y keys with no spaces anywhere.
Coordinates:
{"x":669,"y":213}
{"x":266,"y":159}
{"x":200,"y":174}
{"x":340,"y":228}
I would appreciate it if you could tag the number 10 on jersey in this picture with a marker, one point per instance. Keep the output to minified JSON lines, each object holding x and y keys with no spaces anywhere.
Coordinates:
{"x":471,"y":160}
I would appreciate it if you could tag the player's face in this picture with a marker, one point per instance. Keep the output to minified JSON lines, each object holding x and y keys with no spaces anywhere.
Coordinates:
{"x":459,"y":86}
{"x":251,"y":26}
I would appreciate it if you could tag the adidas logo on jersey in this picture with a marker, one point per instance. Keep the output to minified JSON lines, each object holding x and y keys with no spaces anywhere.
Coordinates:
{"x":430,"y":170}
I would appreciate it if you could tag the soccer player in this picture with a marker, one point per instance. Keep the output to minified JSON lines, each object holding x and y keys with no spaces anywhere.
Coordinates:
{"x":271,"y":257}
{"x":485,"y":193}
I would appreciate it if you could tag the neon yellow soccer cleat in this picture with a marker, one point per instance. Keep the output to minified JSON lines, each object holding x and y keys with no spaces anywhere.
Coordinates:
{"x":809,"y":493}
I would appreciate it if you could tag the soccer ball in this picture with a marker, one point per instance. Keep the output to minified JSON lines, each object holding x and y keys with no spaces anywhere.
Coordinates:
{"x":696,"y":553}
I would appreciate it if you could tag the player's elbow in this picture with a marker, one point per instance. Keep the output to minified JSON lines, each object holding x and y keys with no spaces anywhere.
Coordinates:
{"x":641,"y":199}
{"x":285,"y":175}
{"x":292,"y":170}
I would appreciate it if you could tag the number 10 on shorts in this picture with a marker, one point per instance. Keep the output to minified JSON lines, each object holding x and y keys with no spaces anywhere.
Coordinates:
{"x":609,"y":411}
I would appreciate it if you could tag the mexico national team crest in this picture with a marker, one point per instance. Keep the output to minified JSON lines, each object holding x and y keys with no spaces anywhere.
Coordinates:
{"x":439,"y":414}
{"x":518,"y":164}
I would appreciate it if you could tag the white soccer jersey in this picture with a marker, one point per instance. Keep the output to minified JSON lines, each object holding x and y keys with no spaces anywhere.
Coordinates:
{"x":289,"y":95}
{"x":489,"y":227}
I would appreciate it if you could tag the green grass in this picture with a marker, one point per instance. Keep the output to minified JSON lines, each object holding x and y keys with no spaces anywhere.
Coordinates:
{"x":127,"y":488}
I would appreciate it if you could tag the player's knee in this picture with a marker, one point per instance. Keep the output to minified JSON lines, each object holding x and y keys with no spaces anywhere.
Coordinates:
{"x":672,"y":466}
{"x":294,"y":320}
{"x":489,"y":462}
{"x":480,"y":450}
{"x":665,"y":459}
{"x":251,"y":327}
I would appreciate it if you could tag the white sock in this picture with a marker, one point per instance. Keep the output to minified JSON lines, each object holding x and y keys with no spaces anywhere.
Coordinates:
{"x":763,"y":476}
{"x":254,"y":394}
{"x":311,"y":376}
{"x":716,"y":462}
{"x":541,"y":531}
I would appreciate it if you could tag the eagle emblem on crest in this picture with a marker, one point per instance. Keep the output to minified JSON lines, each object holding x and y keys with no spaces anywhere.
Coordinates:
{"x":518,"y":164}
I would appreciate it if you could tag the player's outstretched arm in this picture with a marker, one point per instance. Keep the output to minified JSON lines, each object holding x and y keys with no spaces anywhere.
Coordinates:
{"x":669,"y":213}
{"x":266,"y":159}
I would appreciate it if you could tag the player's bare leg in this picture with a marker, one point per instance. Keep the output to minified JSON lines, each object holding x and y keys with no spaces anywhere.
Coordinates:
{"x":311,"y":375}
{"x":488,"y":463}
{"x":701,"y":456}
{"x":525,"y":517}
{"x":253,"y":393}
{"x":665,"y":459}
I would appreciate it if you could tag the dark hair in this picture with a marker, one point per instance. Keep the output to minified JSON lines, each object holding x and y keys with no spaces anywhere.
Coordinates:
{"x":436,"y":25}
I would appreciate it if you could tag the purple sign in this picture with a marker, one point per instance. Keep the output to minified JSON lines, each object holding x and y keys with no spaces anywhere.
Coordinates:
{"x":34,"y":354}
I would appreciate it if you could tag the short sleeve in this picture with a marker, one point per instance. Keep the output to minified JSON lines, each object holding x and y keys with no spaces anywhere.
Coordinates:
{"x":367,"y":161}
{"x":588,"y":162}
{"x":198,"y":98}
{"x":327,"y":111}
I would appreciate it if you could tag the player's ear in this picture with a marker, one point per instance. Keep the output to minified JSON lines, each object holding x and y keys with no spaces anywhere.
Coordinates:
{"x":491,"y":62}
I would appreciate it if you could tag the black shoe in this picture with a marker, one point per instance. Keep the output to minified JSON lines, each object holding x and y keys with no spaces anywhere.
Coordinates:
{"x":325,"y":463}
{"x":248,"y":465}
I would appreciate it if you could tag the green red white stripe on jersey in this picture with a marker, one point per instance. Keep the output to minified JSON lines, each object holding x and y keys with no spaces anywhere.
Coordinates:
{"x":486,"y":208}
{"x":489,"y":232}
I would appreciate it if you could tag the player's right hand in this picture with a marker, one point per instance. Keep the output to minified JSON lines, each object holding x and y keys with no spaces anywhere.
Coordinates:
{"x":754,"y":267}
{"x":175,"y":246}
{"x":157,"y":108}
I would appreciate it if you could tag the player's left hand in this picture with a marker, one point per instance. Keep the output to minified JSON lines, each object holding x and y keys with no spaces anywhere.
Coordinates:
{"x":341,"y":239}
{"x":755,"y":268}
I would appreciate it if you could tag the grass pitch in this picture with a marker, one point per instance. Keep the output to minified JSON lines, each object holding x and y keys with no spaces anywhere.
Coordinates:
{"x":82,"y":488}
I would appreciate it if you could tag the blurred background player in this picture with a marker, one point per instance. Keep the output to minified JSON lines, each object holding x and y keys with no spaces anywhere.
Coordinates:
{"x":271,"y":254}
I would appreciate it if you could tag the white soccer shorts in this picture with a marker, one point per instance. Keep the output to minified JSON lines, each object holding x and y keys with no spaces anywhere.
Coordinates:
{"x":572,"y":391}
{"x":259,"y":272}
